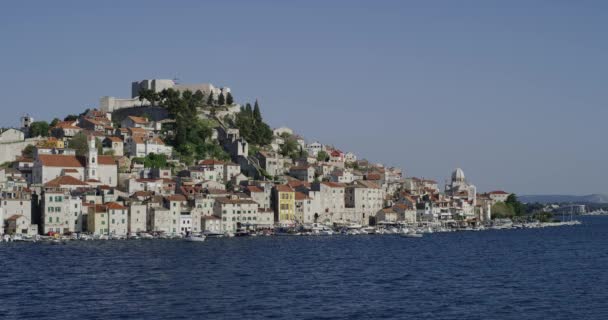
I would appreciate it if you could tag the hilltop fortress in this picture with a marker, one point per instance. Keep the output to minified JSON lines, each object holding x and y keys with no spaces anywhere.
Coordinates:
{"x":110,"y":104}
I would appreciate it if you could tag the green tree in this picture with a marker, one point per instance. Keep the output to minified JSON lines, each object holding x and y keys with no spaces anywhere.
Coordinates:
{"x":39,"y":129}
{"x":28,"y":152}
{"x":155,"y":161}
{"x":322,"y":156}
{"x":54,"y":122}
{"x":79,"y":143}
{"x":221,"y":100}
{"x":518,"y":207}
{"x":502,"y":210}
{"x":71,"y":117}
{"x":257,"y":115}
{"x":290,"y":148}
{"x":210,"y":99}
{"x":229,"y":99}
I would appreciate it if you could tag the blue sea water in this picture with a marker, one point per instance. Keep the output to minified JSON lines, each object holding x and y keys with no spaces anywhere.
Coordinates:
{"x":552,"y":273}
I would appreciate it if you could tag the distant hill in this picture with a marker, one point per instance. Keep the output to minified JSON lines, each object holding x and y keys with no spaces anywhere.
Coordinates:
{"x":592,"y":198}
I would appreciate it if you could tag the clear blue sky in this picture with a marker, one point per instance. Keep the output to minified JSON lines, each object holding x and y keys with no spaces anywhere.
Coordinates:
{"x":514,"y":92}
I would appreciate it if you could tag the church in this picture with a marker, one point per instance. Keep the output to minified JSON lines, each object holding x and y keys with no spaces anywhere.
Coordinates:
{"x":89,"y":168}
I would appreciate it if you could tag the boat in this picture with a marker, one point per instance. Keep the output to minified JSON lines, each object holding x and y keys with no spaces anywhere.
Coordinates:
{"x":411,"y":234}
{"x":194,"y":238}
{"x":368,"y":230}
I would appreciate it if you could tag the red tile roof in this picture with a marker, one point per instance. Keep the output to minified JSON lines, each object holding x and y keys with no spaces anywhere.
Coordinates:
{"x":115,"y":206}
{"x":138,"y":120}
{"x":283,"y":188}
{"x":65,"y":181}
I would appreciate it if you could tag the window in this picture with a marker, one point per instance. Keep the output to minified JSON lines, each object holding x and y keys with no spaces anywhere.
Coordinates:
{"x":113,"y":222}
{"x":103,"y":222}
{"x":50,"y":219}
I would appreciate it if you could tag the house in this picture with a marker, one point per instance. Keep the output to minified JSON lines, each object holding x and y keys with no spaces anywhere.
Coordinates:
{"x":366,"y":198}
{"x":336,"y":158}
{"x":270,"y":162}
{"x":65,"y":129}
{"x":259,"y":195}
{"x":67,"y":181}
{"x":387,"y":215}
{"x":108,"y":219}
{"x":136,"y":122}
{"x":18,"y":203}
{"x":211,"y":224}
{"x":113,"y":144}
{"x":61,"y":212}
{"x":89,"y":167}
{"x":499,"y":196}
{"x":405,"y":213}
{"x":303,"y":173}
{"x":332,"y":196}
{"x":141,"y":146}
{"x":314,"y":148}
{"x":19,"y":224}
{"x":236,"y":213}
{"x":138,"y":217}
{"x":284,"y":204}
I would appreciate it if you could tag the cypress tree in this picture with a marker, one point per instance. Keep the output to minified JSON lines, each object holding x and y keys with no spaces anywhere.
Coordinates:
{"x":210,"y":99}
{"x":229,"y":99}
{"x":221,"y":100}
{"x":257,"y":115}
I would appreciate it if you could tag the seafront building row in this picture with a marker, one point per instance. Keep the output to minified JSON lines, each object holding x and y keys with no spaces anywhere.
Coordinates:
{"x":106,"y":190}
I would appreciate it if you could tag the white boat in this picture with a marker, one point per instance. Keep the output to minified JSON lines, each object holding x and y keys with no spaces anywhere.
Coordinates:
{"x":194,"y":238}
{"x":411,"y":234}
{"x":368,"y":230}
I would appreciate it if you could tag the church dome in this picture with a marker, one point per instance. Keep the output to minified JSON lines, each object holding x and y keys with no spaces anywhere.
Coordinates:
{"x":458,"y":175}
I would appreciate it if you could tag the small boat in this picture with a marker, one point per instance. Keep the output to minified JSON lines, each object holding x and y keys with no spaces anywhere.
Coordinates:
{"x":195,"y":238}
{"x":411,"y":234}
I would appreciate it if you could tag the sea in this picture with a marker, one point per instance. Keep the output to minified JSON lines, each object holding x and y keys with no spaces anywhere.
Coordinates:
{"x":550,"y":273}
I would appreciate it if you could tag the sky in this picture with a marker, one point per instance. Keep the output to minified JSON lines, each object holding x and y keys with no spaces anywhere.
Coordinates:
{"x":513,"y":92}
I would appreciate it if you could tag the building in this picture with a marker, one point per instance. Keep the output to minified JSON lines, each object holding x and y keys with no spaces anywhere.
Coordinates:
{"x":89,"y":167}
{"x":284,"y":204}
{"x":365,"y":198}
{"x":138,"y":217}
{"x":236,"y":213}
{"x":332,"y":199}
{"x":61,"y":212}
{"x":303,"y":173}
{"x":108,"y":219}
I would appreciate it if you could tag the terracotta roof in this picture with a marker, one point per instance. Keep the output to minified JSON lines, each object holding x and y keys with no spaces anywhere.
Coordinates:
{"x":114,"y":139}
{"x":66,"y":125}
{"x":24,"y":159}
{"x":498,"y":192}
{"x":65,"y":181}
{"x":106,"y":160}
{"x":138,"y":120}
{"x":115,"y":206}
{"x":301,"y":196}
{"x":176,"y":197}
{"x":254,"y":189}
{"x":70,"y":171}
{"x":235,"y":201}
{"x":283,"y":188}
{"x":333,"y":184}
{"x":54,"y":160}
{"x":210,"y":162}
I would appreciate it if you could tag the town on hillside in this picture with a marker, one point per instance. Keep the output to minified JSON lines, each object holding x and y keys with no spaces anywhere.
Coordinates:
{"x":180,"y":159}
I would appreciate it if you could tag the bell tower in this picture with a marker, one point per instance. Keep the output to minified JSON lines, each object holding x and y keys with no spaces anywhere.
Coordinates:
{"x":91,"y":167}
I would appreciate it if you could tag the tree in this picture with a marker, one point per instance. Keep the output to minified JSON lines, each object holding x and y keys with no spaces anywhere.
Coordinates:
{"x":28,"y":152}
{"x":518,"y":207}
{"x":39,"y":129}
{"x":257,"y":115}
{"x":54,"y":122}
{"x":229,"y":99}
{"x":290,"y":148}
{"x":501,"y":210}
{"x":79,"y":143}
{"x":221,"y":100}
{"x":210,"y":99}
{"x":155,"y":161}
{"x":322,"y":156}
{"x":71,"y":117}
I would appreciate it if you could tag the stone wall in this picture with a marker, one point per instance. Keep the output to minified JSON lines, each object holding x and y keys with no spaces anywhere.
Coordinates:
{"x":154,"y":113}
{"x":11,"y":150}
